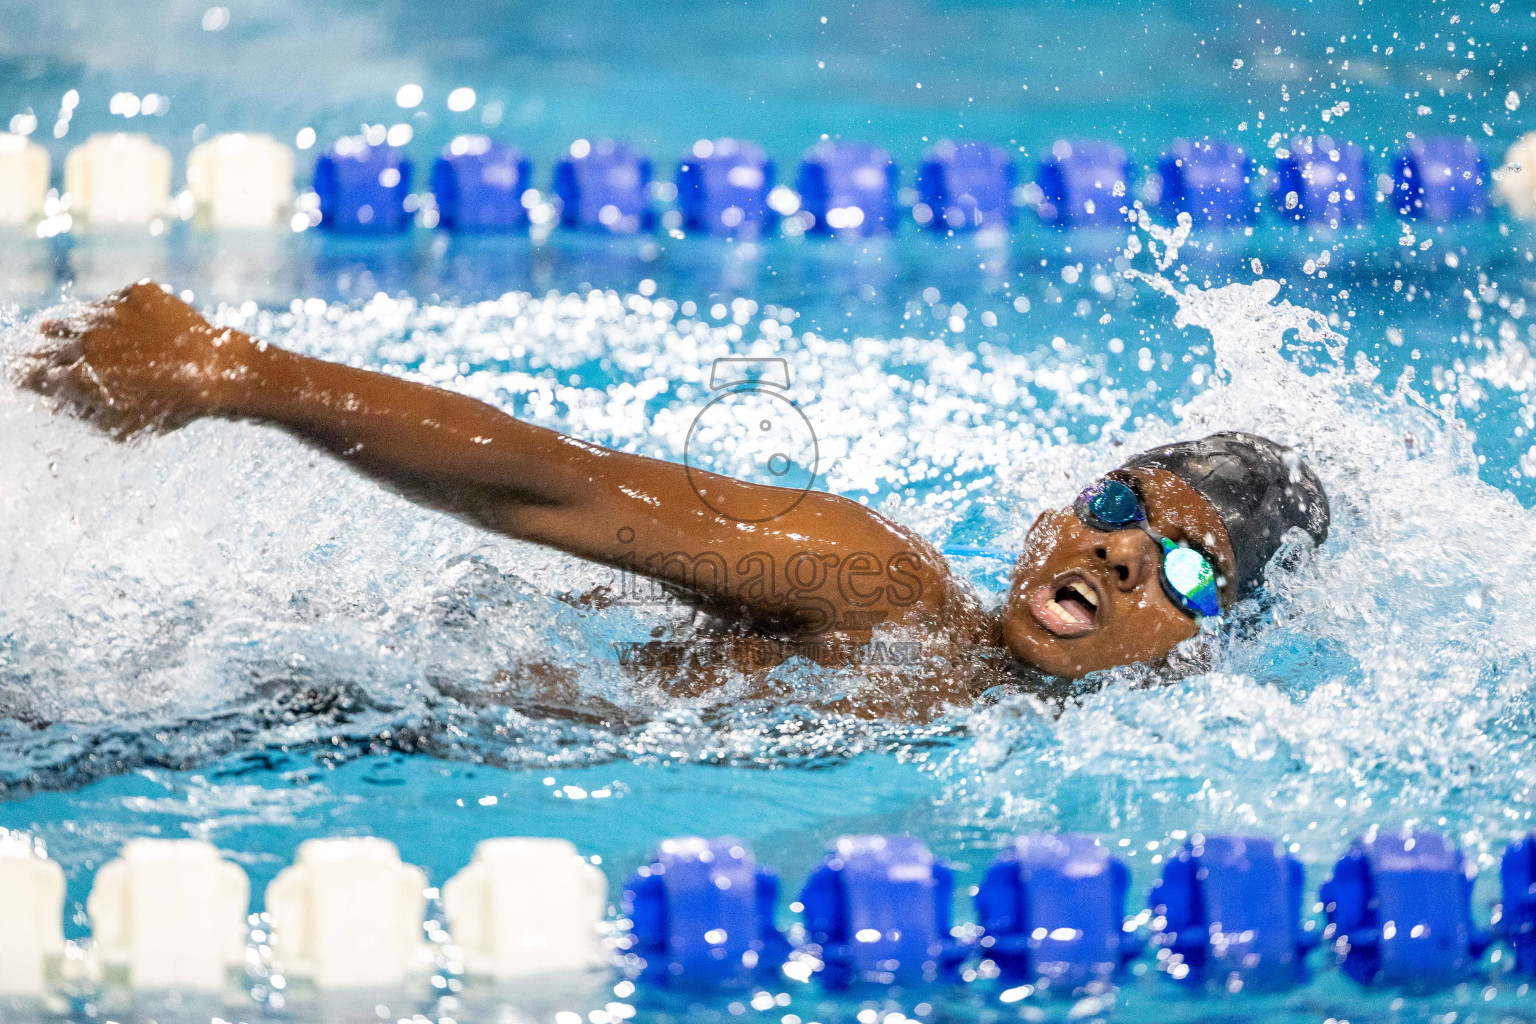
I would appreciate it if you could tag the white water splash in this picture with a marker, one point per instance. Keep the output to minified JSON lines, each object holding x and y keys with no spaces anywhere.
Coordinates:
{"x":224,"y":588}
{"x":1391,"y":677}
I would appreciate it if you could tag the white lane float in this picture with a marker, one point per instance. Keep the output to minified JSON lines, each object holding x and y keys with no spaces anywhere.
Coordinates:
{"x":24,"y":172}
{"x":31,"y":918}
{"x":171,"y":914}
{"x":526,"y":907}
{"x":241,"y":181}
{"x":118,"y":179}
{"x":1515,"y":182}
{"x":348,"y":915}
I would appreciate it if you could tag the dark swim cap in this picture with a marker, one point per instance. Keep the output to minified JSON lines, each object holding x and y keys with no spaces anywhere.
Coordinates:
{"x":1259,"y":488}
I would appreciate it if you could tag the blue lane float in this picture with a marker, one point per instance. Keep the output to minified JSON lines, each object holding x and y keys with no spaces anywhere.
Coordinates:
{"x":1227,"y":912}
{"x":722,"y":189}
{"x":1321,"y":181}
{"x":1084,"y":184}
{"x":878,"y":910}
{"x":1052,"y":909}
{"x":702,"y":912}
{"x":965,"y":186}
{"x":479,"y":185}
{"x":1208,"y":179}
{"x":1399,"y":909}
{"x":1517,"y":911}
{"x":604,"y":186}
{"x":848,"y":188}
{"x":1440,"y":180}
{"x":363,"y":188}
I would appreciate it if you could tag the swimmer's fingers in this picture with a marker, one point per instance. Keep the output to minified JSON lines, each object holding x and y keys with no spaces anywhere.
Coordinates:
{"x":63,"y":350}
{"x":76,"y":324}
{"x":55,"y":382}
{"x":46,"y":369}
{"x":59,"y":371}
{"x":78,"y":390}
{"x":40,"y":374}
{"x":64,"y":327}
{"x":101,"y":313}
{"x":63,"y":347}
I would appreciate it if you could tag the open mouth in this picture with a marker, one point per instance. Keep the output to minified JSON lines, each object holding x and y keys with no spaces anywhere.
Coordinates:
{"x":1068,"y":606}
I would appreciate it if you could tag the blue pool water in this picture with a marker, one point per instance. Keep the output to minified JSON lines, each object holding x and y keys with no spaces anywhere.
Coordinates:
{"x":218,"y":633}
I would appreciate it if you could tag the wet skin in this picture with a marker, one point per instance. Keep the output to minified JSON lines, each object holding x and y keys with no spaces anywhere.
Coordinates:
{"x":828,"y":570}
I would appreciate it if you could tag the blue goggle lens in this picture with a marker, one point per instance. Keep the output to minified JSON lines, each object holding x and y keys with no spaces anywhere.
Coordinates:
{"x":1112,"y":503}
{"x":1191,"y":579}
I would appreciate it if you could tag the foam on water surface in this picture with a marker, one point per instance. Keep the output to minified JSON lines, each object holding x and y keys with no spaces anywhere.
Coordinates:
{"x":1389,"y":679}
{"x":222,"y":589}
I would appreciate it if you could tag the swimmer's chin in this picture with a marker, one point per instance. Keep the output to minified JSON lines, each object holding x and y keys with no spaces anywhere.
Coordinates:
{"x":1038,"y":651}
{"x":1071,"y":658}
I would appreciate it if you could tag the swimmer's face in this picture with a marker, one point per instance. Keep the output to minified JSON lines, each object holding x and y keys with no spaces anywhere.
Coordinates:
{"x":1083,"y":600}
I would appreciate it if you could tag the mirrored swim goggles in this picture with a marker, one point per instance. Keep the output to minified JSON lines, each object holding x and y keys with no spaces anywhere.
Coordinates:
{"x":1188,"y":577}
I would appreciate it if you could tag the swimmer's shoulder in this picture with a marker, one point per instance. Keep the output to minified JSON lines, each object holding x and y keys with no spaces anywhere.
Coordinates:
{"x":919,"y":574}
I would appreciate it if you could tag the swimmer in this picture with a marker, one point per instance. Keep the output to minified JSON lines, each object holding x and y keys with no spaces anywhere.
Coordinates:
{"x":1124,"y":575}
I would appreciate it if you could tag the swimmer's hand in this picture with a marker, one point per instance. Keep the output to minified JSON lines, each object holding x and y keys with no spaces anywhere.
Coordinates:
{"x":137,"y":359}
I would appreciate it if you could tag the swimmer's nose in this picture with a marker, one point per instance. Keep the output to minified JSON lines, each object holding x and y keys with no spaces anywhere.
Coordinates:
{"x":1129,"y":557}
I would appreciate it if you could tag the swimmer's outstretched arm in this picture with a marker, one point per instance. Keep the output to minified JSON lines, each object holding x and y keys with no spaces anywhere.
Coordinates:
{"x":142,"y":358}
